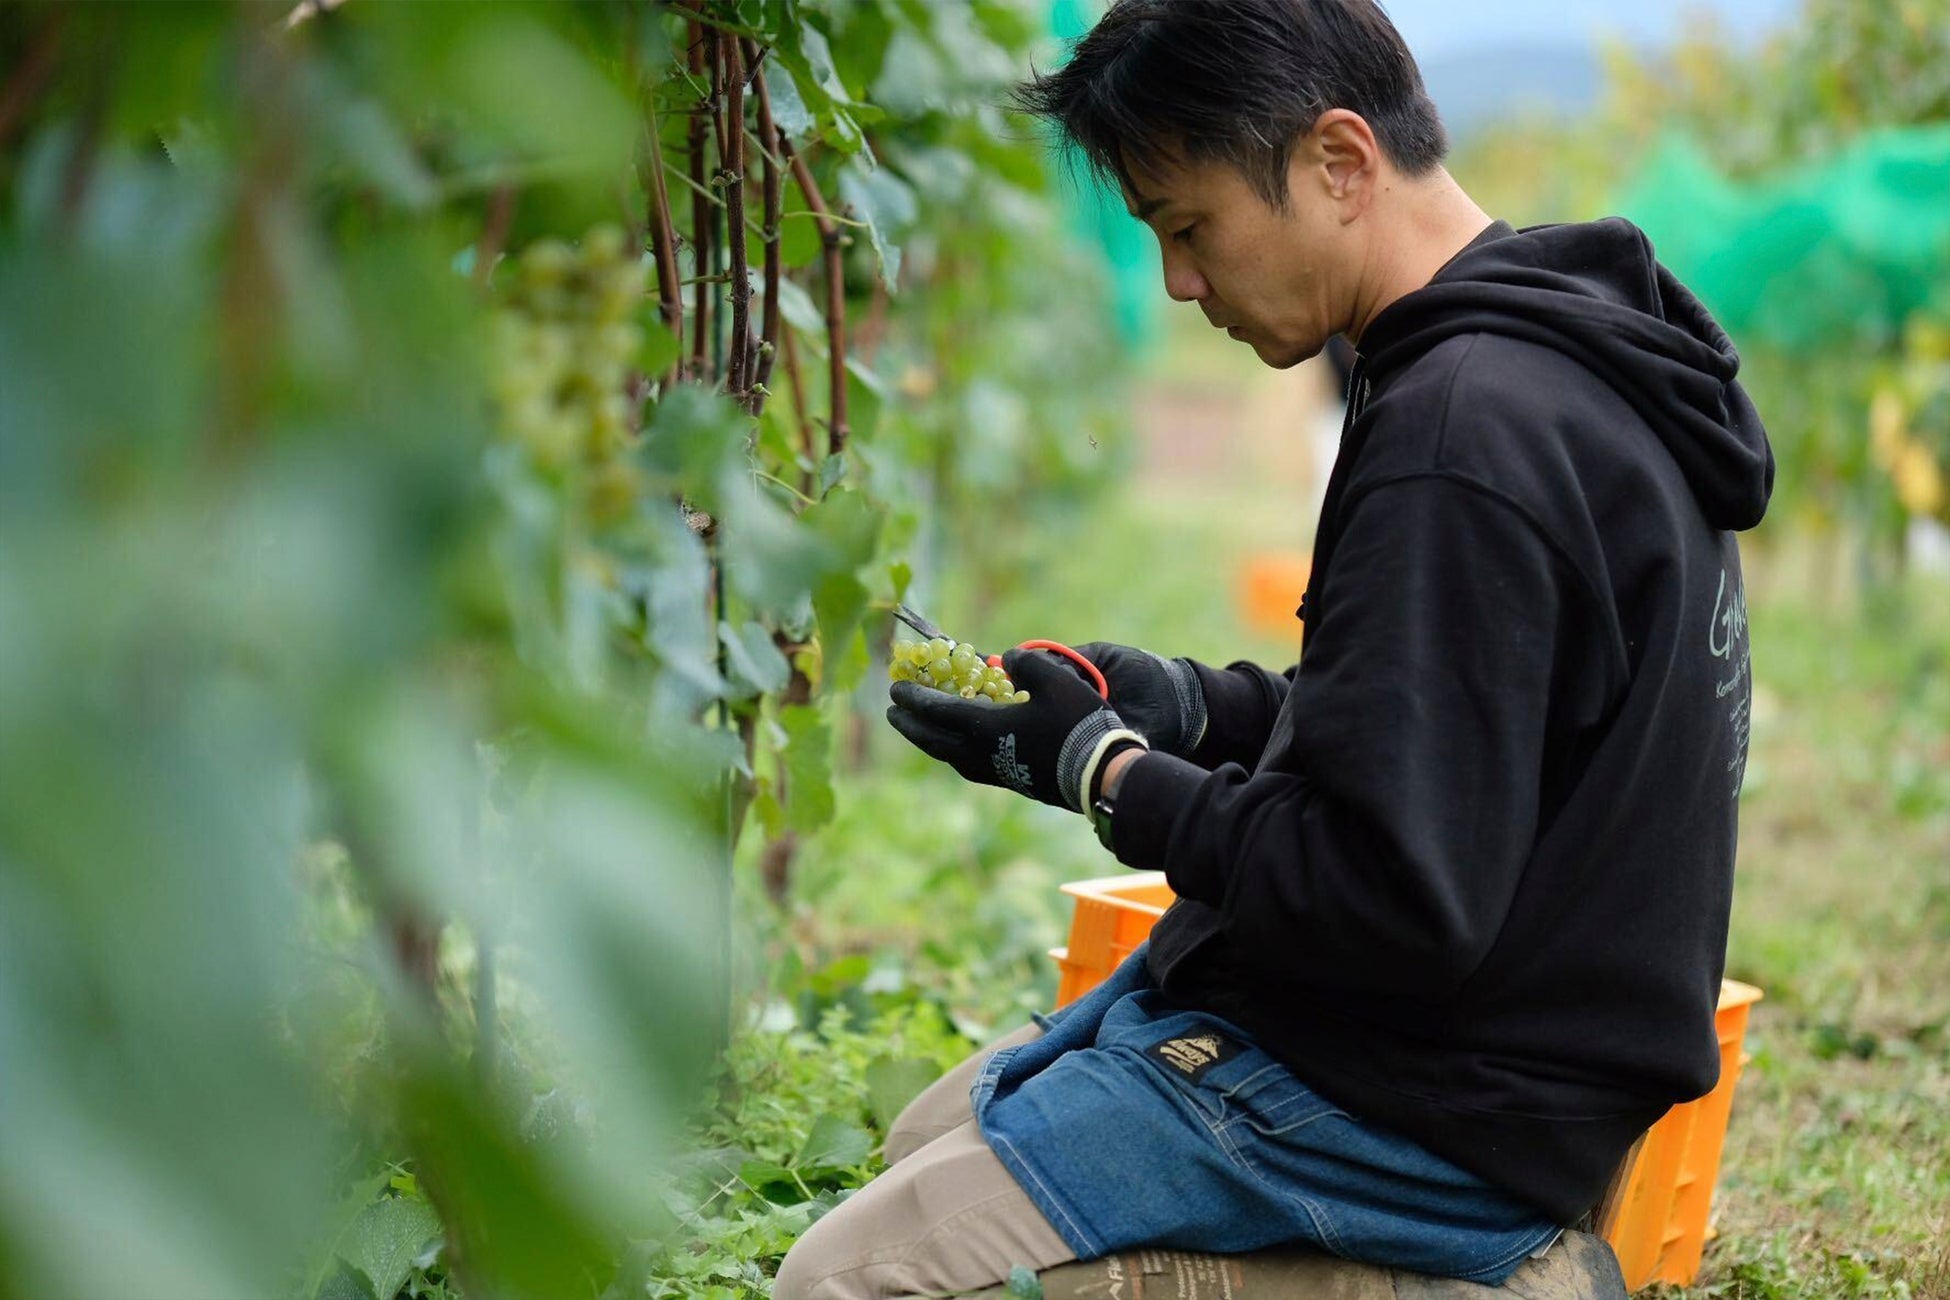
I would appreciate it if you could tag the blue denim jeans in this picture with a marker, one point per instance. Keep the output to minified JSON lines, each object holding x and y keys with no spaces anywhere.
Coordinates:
{"x":1134,"y":1122}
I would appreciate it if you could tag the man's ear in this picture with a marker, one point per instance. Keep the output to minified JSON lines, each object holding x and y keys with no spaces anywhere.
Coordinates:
{"x":1349,"y":157}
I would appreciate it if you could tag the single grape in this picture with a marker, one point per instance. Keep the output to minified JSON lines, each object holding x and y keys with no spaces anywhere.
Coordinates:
{"x":968,"y":692}
{"x":940,"y":648}
{"x":613,"y":491}
{"x":1020,"y":697}
{"x":618,"y":342}
{"x":617,"y":296}
{"x":546,"y":262}
{"x":603,"y":243}
{"x":941,"y":669}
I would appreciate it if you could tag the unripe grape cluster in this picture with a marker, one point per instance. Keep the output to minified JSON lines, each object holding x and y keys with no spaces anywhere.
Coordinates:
{"x":564,"y":344}
{"x":954,"y":667}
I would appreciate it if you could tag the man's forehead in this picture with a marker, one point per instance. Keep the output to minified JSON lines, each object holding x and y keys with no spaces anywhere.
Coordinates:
{"x":1148,"y":189}
{"x":1144,"y":208}
{"x":1146,"y":194}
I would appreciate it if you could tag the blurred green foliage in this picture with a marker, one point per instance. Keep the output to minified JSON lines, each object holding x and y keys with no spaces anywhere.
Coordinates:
{"x":369,"y":778}
{"x":1801,"y":178}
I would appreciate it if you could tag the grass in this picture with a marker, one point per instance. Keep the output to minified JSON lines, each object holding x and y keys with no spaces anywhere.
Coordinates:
{"x":1836,"y":1175}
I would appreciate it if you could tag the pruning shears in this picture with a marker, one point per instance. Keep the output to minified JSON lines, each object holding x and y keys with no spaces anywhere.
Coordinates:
{"x":908,"y":615}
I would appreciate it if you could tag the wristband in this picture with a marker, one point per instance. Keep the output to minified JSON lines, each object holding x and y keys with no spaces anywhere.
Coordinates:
{"x":1102,"y":807}
{"x":1122,"y":738}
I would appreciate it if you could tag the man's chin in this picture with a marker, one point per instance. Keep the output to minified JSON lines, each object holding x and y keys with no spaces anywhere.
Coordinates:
{"x":1283,"y":355}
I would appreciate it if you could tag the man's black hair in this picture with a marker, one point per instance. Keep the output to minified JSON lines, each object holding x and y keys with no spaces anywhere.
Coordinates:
{"x":1235,"y":81}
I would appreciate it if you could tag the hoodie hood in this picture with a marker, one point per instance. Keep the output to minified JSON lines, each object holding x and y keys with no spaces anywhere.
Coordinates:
{"x":1596,"y":293}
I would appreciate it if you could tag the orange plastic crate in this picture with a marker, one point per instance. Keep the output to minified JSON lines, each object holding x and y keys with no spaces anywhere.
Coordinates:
{"x":1658,"y":1216}
{"x":1271,"y":584}
{"x":1662,"y":1220}
{"x":1112,"y":917}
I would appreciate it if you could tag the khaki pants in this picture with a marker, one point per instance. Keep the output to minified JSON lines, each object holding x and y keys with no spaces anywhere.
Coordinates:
{"x":946,"y":1218}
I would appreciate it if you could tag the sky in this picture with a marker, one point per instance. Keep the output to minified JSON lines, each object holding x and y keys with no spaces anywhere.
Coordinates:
{"x":1488,"y":60}
{"x":1438,"y":29}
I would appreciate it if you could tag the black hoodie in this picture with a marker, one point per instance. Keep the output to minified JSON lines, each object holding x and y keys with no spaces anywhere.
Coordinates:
{"x":1466,"y":868}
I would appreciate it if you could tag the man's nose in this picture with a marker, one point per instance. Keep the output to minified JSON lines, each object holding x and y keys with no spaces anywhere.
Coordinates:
{"x":1182,"y":278}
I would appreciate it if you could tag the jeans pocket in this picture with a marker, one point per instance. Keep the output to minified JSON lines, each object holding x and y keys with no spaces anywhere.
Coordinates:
{"x":1271,"y":1102}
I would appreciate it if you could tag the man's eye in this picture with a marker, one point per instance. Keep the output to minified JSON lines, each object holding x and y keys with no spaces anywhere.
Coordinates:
{"x":1184,"y":235}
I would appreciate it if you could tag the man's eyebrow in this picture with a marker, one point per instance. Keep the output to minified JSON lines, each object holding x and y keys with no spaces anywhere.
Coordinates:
{"x":1145,"y":209}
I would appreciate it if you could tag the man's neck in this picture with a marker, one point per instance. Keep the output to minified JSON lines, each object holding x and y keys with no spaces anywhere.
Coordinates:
{"x":1435,"y":220}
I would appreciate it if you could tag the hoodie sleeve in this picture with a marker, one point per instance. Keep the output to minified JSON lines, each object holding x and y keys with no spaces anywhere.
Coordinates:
{"x":1241,"y":701}
{"x":1381,"y":846}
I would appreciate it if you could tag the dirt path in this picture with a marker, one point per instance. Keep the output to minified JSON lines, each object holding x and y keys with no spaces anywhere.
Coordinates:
{"x":1219,"y":429}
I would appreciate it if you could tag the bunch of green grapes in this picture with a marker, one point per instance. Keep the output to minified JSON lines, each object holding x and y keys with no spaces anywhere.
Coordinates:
{"x":564,"y":344}
{"x":953,"y":666}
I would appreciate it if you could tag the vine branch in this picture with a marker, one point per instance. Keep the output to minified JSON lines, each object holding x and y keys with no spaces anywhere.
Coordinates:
{"x":494,"y":233}
{"x":30,"y":76}
{"x":774,"y":202}
{"x":663,"y":234}
{"x":742,"y":358}
{"x":701,"y":223}
{"x":831,"y":238}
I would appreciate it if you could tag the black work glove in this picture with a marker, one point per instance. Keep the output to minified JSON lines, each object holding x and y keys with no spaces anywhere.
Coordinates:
{"x":1050,"y":748}
{"x":1159,"y":698}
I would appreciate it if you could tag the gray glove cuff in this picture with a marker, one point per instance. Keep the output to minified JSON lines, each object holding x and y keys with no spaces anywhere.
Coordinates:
{"x":1191,"y":705}
{"x":1073,"y":759}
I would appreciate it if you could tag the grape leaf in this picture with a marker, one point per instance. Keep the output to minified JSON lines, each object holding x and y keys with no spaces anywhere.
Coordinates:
{"x":674,"y":584}
{"x":834,"y":1143}
{"x":370,"y":145}
{"x":831,"y":471}
{"x":887,"y":204}
{"x":847,"y":667}
{"x":866,"y":393}
{"x":660,"y":346}
{"x":839,"y":603}
{"x":344,"y":1283}
{"x":755,"y":662}
{"x":789,"y":111}
{"x":892,"y":1082}
{"x":803,"y":314}
{"x":849,"y":523}
{"x":694,"y":439}
{"x":808,"y":757}
{"x":388,"y":1236}
{"x":773,"y":561}
{"x":326,"y":1267}
{"x":760,"y":1174}
{"x":804,"y":52}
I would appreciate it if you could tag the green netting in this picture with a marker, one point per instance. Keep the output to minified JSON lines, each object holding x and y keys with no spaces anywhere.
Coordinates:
{"x":1097,"y":213}
{"x":1834,"y":252}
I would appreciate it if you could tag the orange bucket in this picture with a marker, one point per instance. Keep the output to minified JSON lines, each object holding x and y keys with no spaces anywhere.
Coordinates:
{"x":1657,"y":1216}
{"x":1271,"y":584}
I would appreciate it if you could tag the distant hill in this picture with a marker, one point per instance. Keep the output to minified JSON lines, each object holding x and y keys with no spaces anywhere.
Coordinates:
{"x":1474,"y":89}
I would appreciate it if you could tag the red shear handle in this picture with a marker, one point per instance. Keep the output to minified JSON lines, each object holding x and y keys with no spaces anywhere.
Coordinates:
{"x":1057,"y":647}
